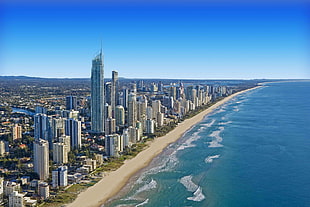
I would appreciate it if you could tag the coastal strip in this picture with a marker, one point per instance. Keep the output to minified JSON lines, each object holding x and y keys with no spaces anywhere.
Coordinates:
{"x":113,"y":182}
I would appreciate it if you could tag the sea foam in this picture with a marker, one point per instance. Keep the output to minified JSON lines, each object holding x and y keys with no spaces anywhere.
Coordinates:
{"x":209,"y":159}
{"x":198,"y":195}
{"x":217,"y":138}
{"x":189,"y":142}
{"x":143,"y":203}
{"x":148,"y":186}
{"x":192,"y":187}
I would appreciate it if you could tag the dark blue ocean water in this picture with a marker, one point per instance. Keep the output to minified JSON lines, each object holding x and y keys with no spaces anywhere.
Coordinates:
{"x":253,"y":151}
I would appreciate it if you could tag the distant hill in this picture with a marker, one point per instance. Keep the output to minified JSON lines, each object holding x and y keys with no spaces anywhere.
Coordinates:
{"x":38,"y":78}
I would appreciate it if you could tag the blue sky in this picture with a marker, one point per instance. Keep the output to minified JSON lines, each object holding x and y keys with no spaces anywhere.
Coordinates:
{"x":192,"y":39}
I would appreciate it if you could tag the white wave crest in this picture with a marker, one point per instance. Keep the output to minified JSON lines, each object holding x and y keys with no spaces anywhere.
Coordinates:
{"x":236,"y":108}
{"x":209,"y":124}
{"x":166,"y":164}
{"x":149,"y":186}
{"x":143,"y":203}
{"x":189,"y":142}
{"x":198,"y":196}
{"x":217,"y":138}
{"x":188,"y":183}
{"x":209,"y":159}
{"x":192,"y":187}
{"x":225,"y":123}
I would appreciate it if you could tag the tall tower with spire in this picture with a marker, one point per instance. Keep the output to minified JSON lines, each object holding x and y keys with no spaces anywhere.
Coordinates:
{"x":97,"y":94}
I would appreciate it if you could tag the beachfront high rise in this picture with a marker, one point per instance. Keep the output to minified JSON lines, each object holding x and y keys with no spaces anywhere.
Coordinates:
{"x":60,"y":176}
{"x":60,"y":153}
{"x":41,"y":158}
{"x":97,"y":94}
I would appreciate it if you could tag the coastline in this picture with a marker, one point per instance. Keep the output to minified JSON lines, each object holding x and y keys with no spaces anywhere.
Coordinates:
{"x":112,"y":183}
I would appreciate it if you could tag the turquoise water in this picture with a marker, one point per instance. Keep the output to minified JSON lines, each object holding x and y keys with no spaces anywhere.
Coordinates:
{"x":252,"y":151}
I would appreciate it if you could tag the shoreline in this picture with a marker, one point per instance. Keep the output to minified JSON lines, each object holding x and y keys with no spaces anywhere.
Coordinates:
{"x":111,"y":184}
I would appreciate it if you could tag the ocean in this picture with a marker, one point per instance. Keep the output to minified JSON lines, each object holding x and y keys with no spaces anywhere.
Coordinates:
{"x":253,"y":151}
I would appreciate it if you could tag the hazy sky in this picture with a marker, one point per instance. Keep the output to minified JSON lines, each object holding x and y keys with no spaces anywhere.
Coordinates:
{"x":159,"y":39}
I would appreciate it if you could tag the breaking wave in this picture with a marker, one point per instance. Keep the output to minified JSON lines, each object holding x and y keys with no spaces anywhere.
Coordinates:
{"x":209,"y":159}
{"x":217,"y":138}
{"x":149,"y":186}
{"x":192,"y":187}
{"x":143,"y":203}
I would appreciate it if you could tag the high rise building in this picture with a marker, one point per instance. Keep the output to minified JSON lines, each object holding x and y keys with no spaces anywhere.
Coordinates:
{"x":110,"y":126}
{"x":60,"y":176}
{"x":125,"y":138}
{"x":73,"y":129}
{"x":44,"y":190}
{"x":160,"y":119}
{"x":132,"y":109}
{"x":40,"y":110}
{"x":111,"y":145}
{"x":173,"y":92}
{"x":2,"y":148}
{"x":57,"y":127}
{"x":160,"y":86}
{"x":97,"y":94}
{"x":42,"y":129}
{"x":17,"y":132}
{"x":156,"y":106}
{"x":133,"y":87}
{"x":66,"y":140}
{"x":125,"y":97}
{"x":60,"y":153}
{"x":114,"y":91}
{"x":132,"y":135}
{"x":107,"y":111}
{"x":141,"y":110}
{"x":16,"y":199}
{"x":71,"y":103}
{"x":107,"y":92}
{"x":1,"y":189}
{"x":41,"y":158}
{"x":120,"y":115}
{"x":150,"y":126}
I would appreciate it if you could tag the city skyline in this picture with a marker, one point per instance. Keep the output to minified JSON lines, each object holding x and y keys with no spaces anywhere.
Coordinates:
{"x":156,"y":40}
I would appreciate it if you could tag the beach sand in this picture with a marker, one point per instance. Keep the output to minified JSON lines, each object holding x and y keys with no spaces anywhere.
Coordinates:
{"x":112,"y":183}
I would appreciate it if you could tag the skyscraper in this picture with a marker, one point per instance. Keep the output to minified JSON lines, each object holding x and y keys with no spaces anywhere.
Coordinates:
{"x":120,"y":115}
{"x":107,"y":92}
{"x":41,"y":127}
{"x":41,"y":158}
{"x":60,"y":176}
{"x":71,"y":102}
{"x":97,"y":94}
{"x":73,"y":129}
{"x":132,"y":110}
{"x":110,"y":126}
{"x":111,"y":145}
{"x":114,"y":91}
{"x":60,"y":153}
{"x":125,"y":97}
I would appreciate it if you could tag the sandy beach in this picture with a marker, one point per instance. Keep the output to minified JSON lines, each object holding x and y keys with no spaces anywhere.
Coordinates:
{"x":111,"y":184}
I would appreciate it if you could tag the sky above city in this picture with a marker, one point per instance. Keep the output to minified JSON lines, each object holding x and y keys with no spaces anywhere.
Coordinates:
{"x":158,"y":39}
